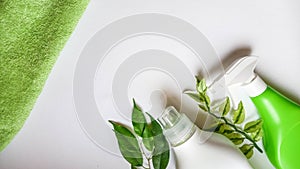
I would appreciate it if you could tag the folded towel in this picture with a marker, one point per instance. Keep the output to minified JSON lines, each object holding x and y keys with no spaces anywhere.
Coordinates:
{"x":32,"y":33}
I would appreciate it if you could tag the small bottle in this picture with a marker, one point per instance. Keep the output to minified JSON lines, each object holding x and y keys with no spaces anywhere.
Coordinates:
{"x":192,"y":152}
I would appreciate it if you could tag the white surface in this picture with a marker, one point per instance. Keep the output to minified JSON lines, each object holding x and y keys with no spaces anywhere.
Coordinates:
{"x":153,"y":59}
{"x":52,"y":136}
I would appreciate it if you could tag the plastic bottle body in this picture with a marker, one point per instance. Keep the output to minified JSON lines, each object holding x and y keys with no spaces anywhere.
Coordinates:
{"x":281,"y":128}
{"x":217,"y":153}
{"x":192,"y":152}
{"x":281,"y":116}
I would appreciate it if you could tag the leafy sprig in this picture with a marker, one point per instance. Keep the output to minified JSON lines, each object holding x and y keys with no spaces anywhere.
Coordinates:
{"x":229,"y":120}
{"x":145,"y":146}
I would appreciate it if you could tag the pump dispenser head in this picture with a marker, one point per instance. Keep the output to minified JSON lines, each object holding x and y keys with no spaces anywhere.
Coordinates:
{"x":177,"y":127}
{"x":241,"y":73}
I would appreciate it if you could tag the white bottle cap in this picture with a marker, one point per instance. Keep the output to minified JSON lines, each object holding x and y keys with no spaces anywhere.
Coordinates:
{"x":177,"y":127}
{"x":255,"y":87}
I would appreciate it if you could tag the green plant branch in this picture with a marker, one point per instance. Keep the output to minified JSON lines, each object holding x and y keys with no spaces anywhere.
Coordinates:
{"x":234,"y":127}
{"x":246,"y":136}
{"x":230,"y":129}
{"x":148,"y":158}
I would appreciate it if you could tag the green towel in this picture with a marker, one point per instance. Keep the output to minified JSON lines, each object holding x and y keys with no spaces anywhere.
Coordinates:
{"x":32,"y":33}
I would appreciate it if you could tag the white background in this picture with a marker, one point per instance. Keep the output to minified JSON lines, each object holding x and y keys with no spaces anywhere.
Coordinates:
{"x":52,"y":136}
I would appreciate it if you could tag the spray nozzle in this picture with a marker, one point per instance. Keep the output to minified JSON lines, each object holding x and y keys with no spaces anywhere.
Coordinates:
{"x":241,"y":73}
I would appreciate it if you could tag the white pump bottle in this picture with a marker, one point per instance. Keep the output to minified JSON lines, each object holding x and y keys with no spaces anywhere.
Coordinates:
{"x":193,"y":153}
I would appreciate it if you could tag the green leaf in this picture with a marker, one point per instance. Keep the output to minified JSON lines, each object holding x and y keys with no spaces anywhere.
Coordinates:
{"x":225,"y":107}
{"x":253,"y":126}
{"x":207,"y":99}
{"x":247,"y":150}
{"x":161,"y":152}
{"x":224,"y":129}
{"x":201,"y":86}
{"x":138,"y":120}
{"x":236,"y":138}
{"x":202,"y":98}
{"x":133,"y":167}
{"x":193,"y":95}
{"x":213,"y":127}
{"x":147,"y":138}
{"x":203,"y":107}
{"x":239,"y":114}
{"x":256,"y":136}
{"x":128,"y":144}
{"x":141,"y":127}
{"x":160,"y":161}
{"x":156,"y":128}
{"x":228,"y":129}
{"x":220,"y":128}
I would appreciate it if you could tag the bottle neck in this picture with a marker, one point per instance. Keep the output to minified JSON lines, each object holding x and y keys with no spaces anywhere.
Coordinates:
{"x":255,"y":87}
{"x":177,"y":127}
{"x":185,"y":138}
{"x":180,"y":132}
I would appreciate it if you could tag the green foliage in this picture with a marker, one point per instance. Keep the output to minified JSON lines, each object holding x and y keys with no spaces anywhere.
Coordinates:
{"x":161,"y":153}
{"x":138,"y":120}
{"x":239,"y":114}
{"x":247,"y":150}
{"x":128,"y":144}
{"x":201,"y":85}
{"x":257,"y":135}
{"x":193,"y":95}
{"x":203,"y":107}
{"x":152,"y":147}
{"x":147,"y":138}
{"x":236,"y":138}
{"x":225,"y":107}
{"x":161,"y":160}
{"x":246,"y":137}
{"x":224,"y":128}
{"x":253,"y":126}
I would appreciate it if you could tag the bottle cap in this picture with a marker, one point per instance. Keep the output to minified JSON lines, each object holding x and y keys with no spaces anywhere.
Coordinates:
{"x":177,"y":127}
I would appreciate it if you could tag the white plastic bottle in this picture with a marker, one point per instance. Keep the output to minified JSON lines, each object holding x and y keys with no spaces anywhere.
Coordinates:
{"x":191,"y":152}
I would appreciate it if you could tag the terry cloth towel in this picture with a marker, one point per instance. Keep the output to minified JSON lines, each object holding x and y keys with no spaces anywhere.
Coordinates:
{"x":32,"y":33}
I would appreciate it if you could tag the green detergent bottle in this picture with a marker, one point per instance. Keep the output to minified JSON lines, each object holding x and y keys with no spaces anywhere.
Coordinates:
{"x":280,"y":115}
